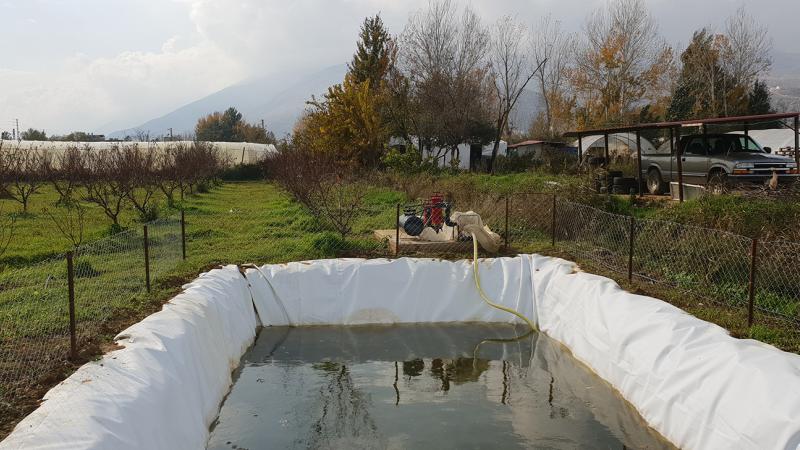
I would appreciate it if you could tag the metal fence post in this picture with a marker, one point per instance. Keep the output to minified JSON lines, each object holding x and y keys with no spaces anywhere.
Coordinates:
{"x":751,"y":297}
{"x":183,"y":233}
{"x":553,"y":224}
{"x":505,"y":235}
{"x":146,"y":260}
{"x":73,"y":338}
{"x":630,"y":249}
{"x":397,"y":232}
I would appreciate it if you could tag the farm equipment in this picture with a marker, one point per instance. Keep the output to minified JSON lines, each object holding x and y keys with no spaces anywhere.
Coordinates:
{"x":435,"y":214}
{"x":437,"y":224}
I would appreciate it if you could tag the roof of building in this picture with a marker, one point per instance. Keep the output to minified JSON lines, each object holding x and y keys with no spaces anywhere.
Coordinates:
{"x":685,"y":123}
{"x":534,"y":142}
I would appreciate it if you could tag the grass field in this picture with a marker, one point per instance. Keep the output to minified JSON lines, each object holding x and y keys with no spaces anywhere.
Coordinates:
{"x":255,"y":221}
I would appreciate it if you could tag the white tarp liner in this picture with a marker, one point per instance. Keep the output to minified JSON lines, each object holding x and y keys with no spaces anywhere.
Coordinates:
{"x":691,"y":381}
{"x":405,"y":290}
{"x":699,"y":387}
{"x":163,"y":390}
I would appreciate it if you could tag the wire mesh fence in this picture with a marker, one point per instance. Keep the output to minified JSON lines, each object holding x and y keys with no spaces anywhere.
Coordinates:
{"x":55,"y":309}
{"x":110,"y":276}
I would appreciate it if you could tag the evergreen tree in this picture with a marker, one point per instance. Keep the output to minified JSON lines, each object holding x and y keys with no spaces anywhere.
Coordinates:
{"x":682,"y":103}
{"x":372,"y":59}
{"x":758,"y":100}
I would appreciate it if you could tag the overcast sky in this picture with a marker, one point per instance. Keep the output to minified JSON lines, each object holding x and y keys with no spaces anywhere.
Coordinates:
{"x":97,"y":65}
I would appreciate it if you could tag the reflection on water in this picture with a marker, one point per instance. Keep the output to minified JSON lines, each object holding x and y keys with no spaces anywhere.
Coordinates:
{"x":421,"y":386}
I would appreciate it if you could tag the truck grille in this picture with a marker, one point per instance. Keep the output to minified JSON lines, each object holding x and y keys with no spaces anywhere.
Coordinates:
{"x":776,"y":165}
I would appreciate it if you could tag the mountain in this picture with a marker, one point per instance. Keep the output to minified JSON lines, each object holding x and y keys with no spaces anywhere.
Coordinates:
{"x":277,"y":99}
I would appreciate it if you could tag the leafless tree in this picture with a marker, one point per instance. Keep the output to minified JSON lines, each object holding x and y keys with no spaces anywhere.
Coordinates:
{"x":70,"y":224}
{"x":552,"y":49}
{"x":621,"y":53}
{"x":64,"y":171}
{"x":746,"y":51}
{"x":24,"y":172}
{"x":511,"y":71}
{"x":137,"y":168}
{"x":104,"y":184}
{"x":442,"y":58}
{"x":168,"y":177}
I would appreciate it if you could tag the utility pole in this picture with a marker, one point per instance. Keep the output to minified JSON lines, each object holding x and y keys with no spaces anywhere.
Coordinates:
{"x":19,"y":137}
{"x":170,"y":134}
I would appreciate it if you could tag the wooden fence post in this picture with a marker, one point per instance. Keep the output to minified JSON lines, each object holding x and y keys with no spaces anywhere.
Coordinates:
{"x":553,"y":224}
{"x":73,"y":335}
{"x":505,"y":235}
{"x":397,"y":232}
{"x":146,"y":260}
{"x":183,"y":233}
{"x":751,"y":294}
{"x":630,"y":249}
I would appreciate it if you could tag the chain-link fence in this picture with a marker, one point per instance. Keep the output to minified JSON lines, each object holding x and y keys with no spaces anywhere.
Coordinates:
{"x":59,"y":308}
{"x":726,"y":269}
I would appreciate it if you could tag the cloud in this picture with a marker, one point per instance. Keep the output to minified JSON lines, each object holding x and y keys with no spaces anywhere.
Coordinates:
{"x":221,"y":42}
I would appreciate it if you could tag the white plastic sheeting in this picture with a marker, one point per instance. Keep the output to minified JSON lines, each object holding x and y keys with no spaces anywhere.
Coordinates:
{"x":689,"y":379}
{"x":163,"y":390}
{"x":405,"y":290}
{"x":234,"y":152}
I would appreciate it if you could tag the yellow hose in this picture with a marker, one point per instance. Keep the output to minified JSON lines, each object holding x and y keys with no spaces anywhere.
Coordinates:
{"x":483,"y":294}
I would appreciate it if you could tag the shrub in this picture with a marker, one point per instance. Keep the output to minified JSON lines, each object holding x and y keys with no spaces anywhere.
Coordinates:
{"x":328,"y":244}
{"x":410,"y":162}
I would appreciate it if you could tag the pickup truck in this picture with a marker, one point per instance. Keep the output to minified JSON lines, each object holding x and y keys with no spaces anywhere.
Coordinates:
{"x":715,"y":160}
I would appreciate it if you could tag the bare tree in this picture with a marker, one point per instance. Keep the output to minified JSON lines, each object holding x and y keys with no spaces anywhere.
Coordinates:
{"x":552,"y":49}
{"x":64,"y":171}
{"x":442,"y":58}
{"x":615,"y":65}
{"x":25,"y":174}
{"x":137,"y":169}
{"x":511,"y":71}
{"x":104,"y":184}
{"x":745,"y":53}
{"x":71,"y":224}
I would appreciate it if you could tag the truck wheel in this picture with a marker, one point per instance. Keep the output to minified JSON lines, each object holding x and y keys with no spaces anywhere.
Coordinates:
{"x":717,"y":183}
{"x":654,"y":184}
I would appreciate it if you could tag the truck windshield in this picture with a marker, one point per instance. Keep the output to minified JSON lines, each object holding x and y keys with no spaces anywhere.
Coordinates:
{"x":732,"y":143}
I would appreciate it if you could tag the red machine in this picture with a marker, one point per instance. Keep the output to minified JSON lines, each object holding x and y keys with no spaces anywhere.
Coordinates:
{"x":435,"y":214}
{"x":433,"y":211}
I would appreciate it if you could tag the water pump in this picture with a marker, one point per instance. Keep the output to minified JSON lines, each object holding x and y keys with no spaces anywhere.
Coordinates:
{"x":435,"y":214}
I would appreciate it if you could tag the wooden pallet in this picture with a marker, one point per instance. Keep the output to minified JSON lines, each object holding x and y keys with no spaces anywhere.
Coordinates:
{"x":411,"y":244}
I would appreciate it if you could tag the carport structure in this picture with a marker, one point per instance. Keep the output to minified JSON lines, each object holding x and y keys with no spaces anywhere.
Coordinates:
{"x":675,"y":133}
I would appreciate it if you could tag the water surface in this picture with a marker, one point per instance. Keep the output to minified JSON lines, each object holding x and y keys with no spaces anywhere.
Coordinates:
{"x":421,"y":386}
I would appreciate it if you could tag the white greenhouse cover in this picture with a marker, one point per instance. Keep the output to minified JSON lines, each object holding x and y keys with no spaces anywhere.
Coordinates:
{"x":690,"y":380}
{"x":235,"y":152}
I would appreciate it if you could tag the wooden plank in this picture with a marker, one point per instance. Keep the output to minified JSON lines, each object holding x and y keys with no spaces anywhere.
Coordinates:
{"x":410,"y":244}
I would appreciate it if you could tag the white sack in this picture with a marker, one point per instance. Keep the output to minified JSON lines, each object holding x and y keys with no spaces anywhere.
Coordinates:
{"x":405,"y":290}
{"x":163,"y":390}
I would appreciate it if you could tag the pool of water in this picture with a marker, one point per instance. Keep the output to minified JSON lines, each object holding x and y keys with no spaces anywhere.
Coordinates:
{"x":421,"y":386}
